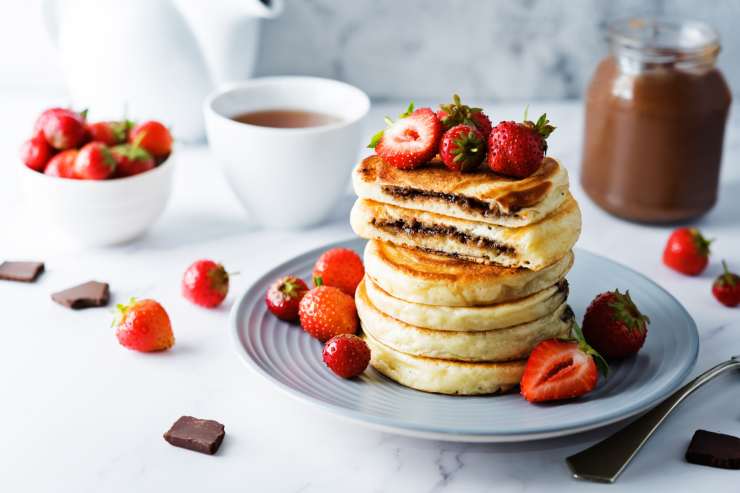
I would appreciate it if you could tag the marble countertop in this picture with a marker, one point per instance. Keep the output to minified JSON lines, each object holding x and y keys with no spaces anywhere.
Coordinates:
{"x":83,"y":414}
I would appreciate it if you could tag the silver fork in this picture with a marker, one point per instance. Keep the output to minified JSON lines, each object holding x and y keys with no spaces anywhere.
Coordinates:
{"x":606,"y":460}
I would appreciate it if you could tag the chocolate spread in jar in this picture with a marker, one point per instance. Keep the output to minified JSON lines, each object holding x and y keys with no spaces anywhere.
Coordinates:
{"x":655,"y":121}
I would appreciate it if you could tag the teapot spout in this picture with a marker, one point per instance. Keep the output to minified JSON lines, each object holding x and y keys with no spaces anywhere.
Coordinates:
{"x":227,"y":32}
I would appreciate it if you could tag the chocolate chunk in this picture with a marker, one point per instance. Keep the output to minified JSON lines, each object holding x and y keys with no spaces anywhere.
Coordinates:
{"x":714,"y":449}
{"x":86,"y":295}
{"x":201,"y":435}
{"x":21,"y":271}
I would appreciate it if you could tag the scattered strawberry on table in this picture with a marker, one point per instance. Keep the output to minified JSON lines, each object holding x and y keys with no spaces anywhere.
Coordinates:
{"x":143,"y":325}
{"x":559,"y":369}
{"x":284,"y":296}
{"x":463,"y":138}
{"x":205,"y":283}
{"x":107,"y":149}
{"x":614,"y":326}
{"x":726,"y":287}
{"x":687,"y":251}
{"x":326,"y":311}
{"x":346,"y":355}
{"x":339,"y":267}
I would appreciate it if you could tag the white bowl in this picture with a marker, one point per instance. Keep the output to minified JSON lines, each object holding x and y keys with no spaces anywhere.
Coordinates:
{"x":96,"y":213}
{"x":287,"y":177}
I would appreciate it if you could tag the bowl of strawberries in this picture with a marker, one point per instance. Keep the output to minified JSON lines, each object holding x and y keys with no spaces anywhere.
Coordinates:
{"x":95,"y":183}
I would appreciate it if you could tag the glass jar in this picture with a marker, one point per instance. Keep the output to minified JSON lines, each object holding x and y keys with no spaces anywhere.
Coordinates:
{"x":655,"y":121}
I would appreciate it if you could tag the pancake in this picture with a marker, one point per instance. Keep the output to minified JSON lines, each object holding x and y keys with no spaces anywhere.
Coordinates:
{"x":477,"y":196}
{"x":444,"y":376}
{"x":534,"y":247}
{"x":429,"y":279}
{"x":504,"y":344}
{"x":463,"y":318}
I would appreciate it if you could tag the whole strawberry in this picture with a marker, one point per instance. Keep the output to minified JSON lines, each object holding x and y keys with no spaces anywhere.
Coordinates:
{"x":63,"y":165}
{"x":726,"y":287}
{"x":614,"y":326}
{"x":462,"y":148}
{"x":687,"y":251}
{"x":36,"y":152}
{"x":346,"y":355}
{"x":517,"y":149}
{"x":284,"y":296}
{"x":94,"y":162}
{"x":63,"y":128}
{"x":411,"y":141}
{"x":326,"y":312}
{"x":109,"y":133}
{"x":131,"y":160}
{"x":143,"y":325}
{"x":456,"y":113}
{"x":339,"y":267}
{"x":152,"y":136}
{"x":205,"y":283}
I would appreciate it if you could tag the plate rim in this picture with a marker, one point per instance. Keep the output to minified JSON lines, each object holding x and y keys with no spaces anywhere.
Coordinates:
{"x":402,"y":428}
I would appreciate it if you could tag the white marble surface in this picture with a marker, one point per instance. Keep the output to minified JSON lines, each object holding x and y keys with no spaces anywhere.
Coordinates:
{"x":82,"y":414}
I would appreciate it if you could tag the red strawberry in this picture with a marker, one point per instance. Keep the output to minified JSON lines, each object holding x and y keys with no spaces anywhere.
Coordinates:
{"x":346,"y":355}
{"x":614,"y":326}
{"x":63,"y":128}
{"x":95,"y":162}
{"x":726,"y":287}
{"x":284,"y":296}
{"x":558,"y":370}
{"x":205,"y":283}
{"x":144,"y":325}
{"x":109,"y":133}
{"x":411,"y":141}
{"x":36,"y":152}
{"x":462,"y":148}
{"x":131,"y":160}
{"x":517,"y":149}
{"x":456,"y":113}
{"x":326,"y":311}
{"x":153,"y":137}
{"x":339,"y":267}
{"x":687,"y":251}
{"x":63,"y":165}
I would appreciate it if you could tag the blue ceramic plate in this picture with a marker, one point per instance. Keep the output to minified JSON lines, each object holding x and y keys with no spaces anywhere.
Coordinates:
{"x":291,"y":360}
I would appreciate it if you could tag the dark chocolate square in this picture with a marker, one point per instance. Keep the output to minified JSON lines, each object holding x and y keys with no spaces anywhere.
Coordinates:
{"x":86,"y":295}
{"x":714,"y":449}
{"x":200,"y":435}
{"x":21,"y":271}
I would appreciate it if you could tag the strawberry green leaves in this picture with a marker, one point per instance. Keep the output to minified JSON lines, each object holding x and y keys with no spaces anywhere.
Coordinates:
{"x":577,"y":336}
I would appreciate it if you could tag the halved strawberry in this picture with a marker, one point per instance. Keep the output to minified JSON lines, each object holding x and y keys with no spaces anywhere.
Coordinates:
{"x":410,"y":141}
{"x":561,"y":369}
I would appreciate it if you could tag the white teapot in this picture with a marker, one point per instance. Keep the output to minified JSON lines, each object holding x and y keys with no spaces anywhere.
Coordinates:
{"x":155,"y":58}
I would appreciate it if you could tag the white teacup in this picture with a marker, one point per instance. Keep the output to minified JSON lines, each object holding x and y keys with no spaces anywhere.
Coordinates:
{"x":287,"y":177}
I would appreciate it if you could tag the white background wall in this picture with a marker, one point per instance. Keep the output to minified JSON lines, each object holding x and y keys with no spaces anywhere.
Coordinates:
{"x":487,"y":49}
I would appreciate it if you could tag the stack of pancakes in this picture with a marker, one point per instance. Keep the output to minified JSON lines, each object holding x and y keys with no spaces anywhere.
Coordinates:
{"x":464,"y":273}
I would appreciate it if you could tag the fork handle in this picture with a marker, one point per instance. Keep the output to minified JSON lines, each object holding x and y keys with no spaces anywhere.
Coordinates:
{"x":606,"y":460}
